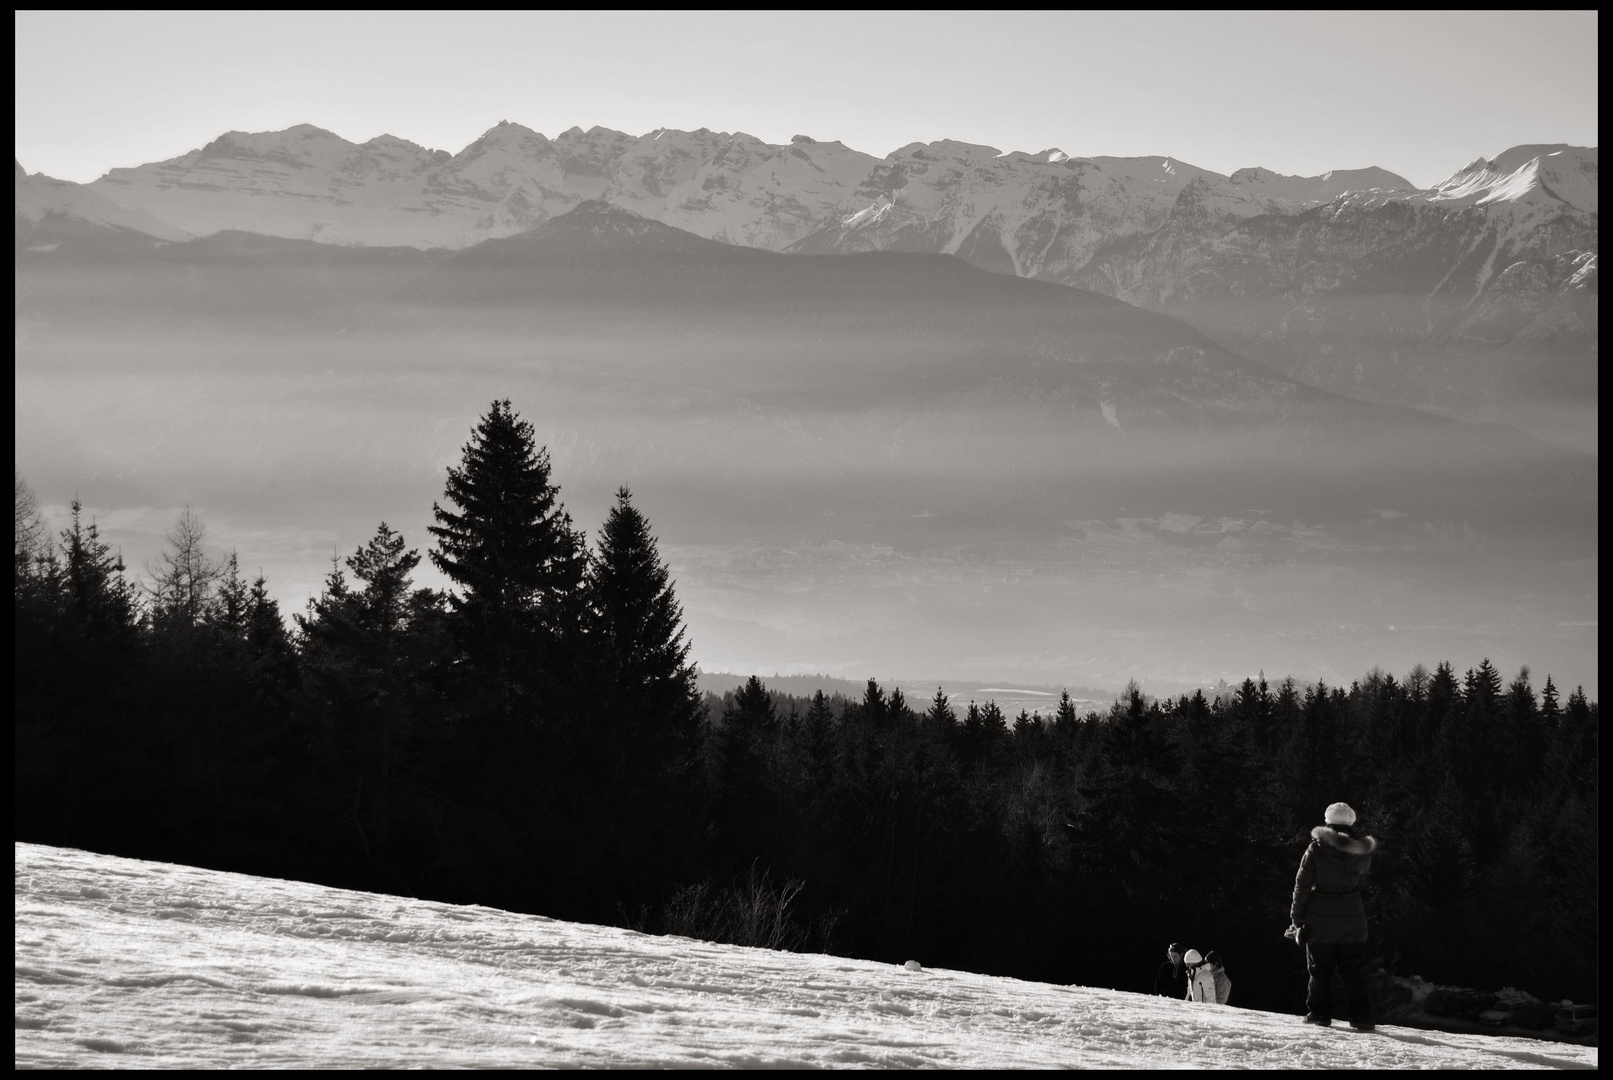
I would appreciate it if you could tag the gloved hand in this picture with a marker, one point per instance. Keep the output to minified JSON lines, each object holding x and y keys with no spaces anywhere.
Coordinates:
{"x":1299,"y":935}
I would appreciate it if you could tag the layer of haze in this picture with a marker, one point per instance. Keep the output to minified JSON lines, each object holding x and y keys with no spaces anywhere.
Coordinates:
{"x":896,"y":540}
{"x":1418,"y":93}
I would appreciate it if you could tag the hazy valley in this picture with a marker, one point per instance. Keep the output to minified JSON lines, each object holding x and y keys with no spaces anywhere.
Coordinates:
{"x":888,"y":464}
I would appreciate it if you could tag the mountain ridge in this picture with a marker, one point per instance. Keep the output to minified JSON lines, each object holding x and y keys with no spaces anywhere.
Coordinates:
{"x":674,"y":175}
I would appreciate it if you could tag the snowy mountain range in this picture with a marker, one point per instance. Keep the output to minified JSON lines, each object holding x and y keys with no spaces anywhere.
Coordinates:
{"x":134,"y":963}
{"x":1476,"y":296}
{"x":947,"y":196}
{"x":308,"y":183}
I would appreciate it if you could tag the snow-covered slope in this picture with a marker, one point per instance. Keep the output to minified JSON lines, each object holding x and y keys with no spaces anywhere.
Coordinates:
{"x":1557,"y":172}
{"x":123,"y":962}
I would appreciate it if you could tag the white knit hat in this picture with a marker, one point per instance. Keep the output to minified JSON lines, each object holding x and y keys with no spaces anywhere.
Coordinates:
{"x":1192,"y":958}
{"x":1339,"y":814}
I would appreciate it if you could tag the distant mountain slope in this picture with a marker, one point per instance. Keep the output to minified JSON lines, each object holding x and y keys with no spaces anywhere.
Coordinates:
{"x":1046,"y":215}
{"x":937,"y":324}
{"x":1478,"y":296}
{"x":105,"y":277}
{"x":51,"y":213}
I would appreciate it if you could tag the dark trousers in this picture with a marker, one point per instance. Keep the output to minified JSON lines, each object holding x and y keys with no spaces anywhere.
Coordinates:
{"x":1349,"y":959}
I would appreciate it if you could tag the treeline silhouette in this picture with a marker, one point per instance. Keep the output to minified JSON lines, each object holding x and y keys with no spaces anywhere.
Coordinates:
{"x":532,"y":739}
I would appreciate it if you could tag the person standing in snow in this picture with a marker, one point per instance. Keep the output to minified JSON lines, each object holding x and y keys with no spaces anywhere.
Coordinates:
{"x":1218,"y":971}
{"x":1200,"y":979}
{"x":1171,"y":978}
{"x":1327,"y":907}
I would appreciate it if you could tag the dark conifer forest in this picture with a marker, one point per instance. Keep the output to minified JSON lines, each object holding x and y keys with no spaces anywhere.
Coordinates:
{"x":532,"y":739}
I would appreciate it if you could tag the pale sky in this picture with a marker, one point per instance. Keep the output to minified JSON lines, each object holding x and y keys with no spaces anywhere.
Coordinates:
{"x":1418,"y":93}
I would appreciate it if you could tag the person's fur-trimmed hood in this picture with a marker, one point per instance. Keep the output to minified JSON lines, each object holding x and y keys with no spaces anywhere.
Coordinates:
{"x":1349,"y":845}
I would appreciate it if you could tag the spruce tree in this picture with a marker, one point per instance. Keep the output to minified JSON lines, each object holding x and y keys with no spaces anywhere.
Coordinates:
{"x":232,"y":606}
{"x":507,"y":544}
{"x":875,"y":708}
{"x":752,"y":709}
{"x":940,"y":718}
{"x":897,"y":708}
{"x":818,"y":732}
{"x":743,"y":809}
{"x":358,"y":632}
{"x":384,"y":567}
{"x":1064,"y":718}
{"x":360,"y":701}
{"x":993,"y":723}
{"x":637,"y":634}
{"x":274,"y":663}
{"x":98,"y":596}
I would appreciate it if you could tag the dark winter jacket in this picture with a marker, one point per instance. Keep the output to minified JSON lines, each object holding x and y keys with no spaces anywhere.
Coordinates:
{"x":1171,"y":980}
{"x":1327,"y":892}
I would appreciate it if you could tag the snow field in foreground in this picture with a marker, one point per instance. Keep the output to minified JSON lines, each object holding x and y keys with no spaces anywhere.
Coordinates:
{"x":128,"y":963}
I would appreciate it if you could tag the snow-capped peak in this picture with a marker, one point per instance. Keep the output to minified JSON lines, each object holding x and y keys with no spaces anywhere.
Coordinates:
{"x":1051,"y":156}
{"x":1556,"y":172}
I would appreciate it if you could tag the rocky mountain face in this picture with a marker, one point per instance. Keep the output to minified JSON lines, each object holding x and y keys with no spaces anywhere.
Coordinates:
{"x":1047,"y":215}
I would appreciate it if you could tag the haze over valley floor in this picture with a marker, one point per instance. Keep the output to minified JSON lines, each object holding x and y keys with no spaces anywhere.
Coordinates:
{"x":881,"y":461}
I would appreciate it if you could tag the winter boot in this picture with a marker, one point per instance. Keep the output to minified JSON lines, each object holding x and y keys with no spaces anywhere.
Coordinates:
{"x":1319,"y":1021}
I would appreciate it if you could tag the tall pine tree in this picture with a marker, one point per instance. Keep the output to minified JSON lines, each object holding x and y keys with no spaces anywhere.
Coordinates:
{"x":637,"y":637}
{"x":507,"y":544}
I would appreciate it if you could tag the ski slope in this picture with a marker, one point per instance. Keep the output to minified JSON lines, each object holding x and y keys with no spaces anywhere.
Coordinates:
{"x":138,"y":964}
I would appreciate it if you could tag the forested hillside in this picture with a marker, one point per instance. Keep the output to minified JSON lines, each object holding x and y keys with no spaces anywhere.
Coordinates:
{"x":533,"y":739}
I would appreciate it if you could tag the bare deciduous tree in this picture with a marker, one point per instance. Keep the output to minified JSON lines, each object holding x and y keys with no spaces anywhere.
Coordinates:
{"x":31,"y":535}
{"x":184,"y":578}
